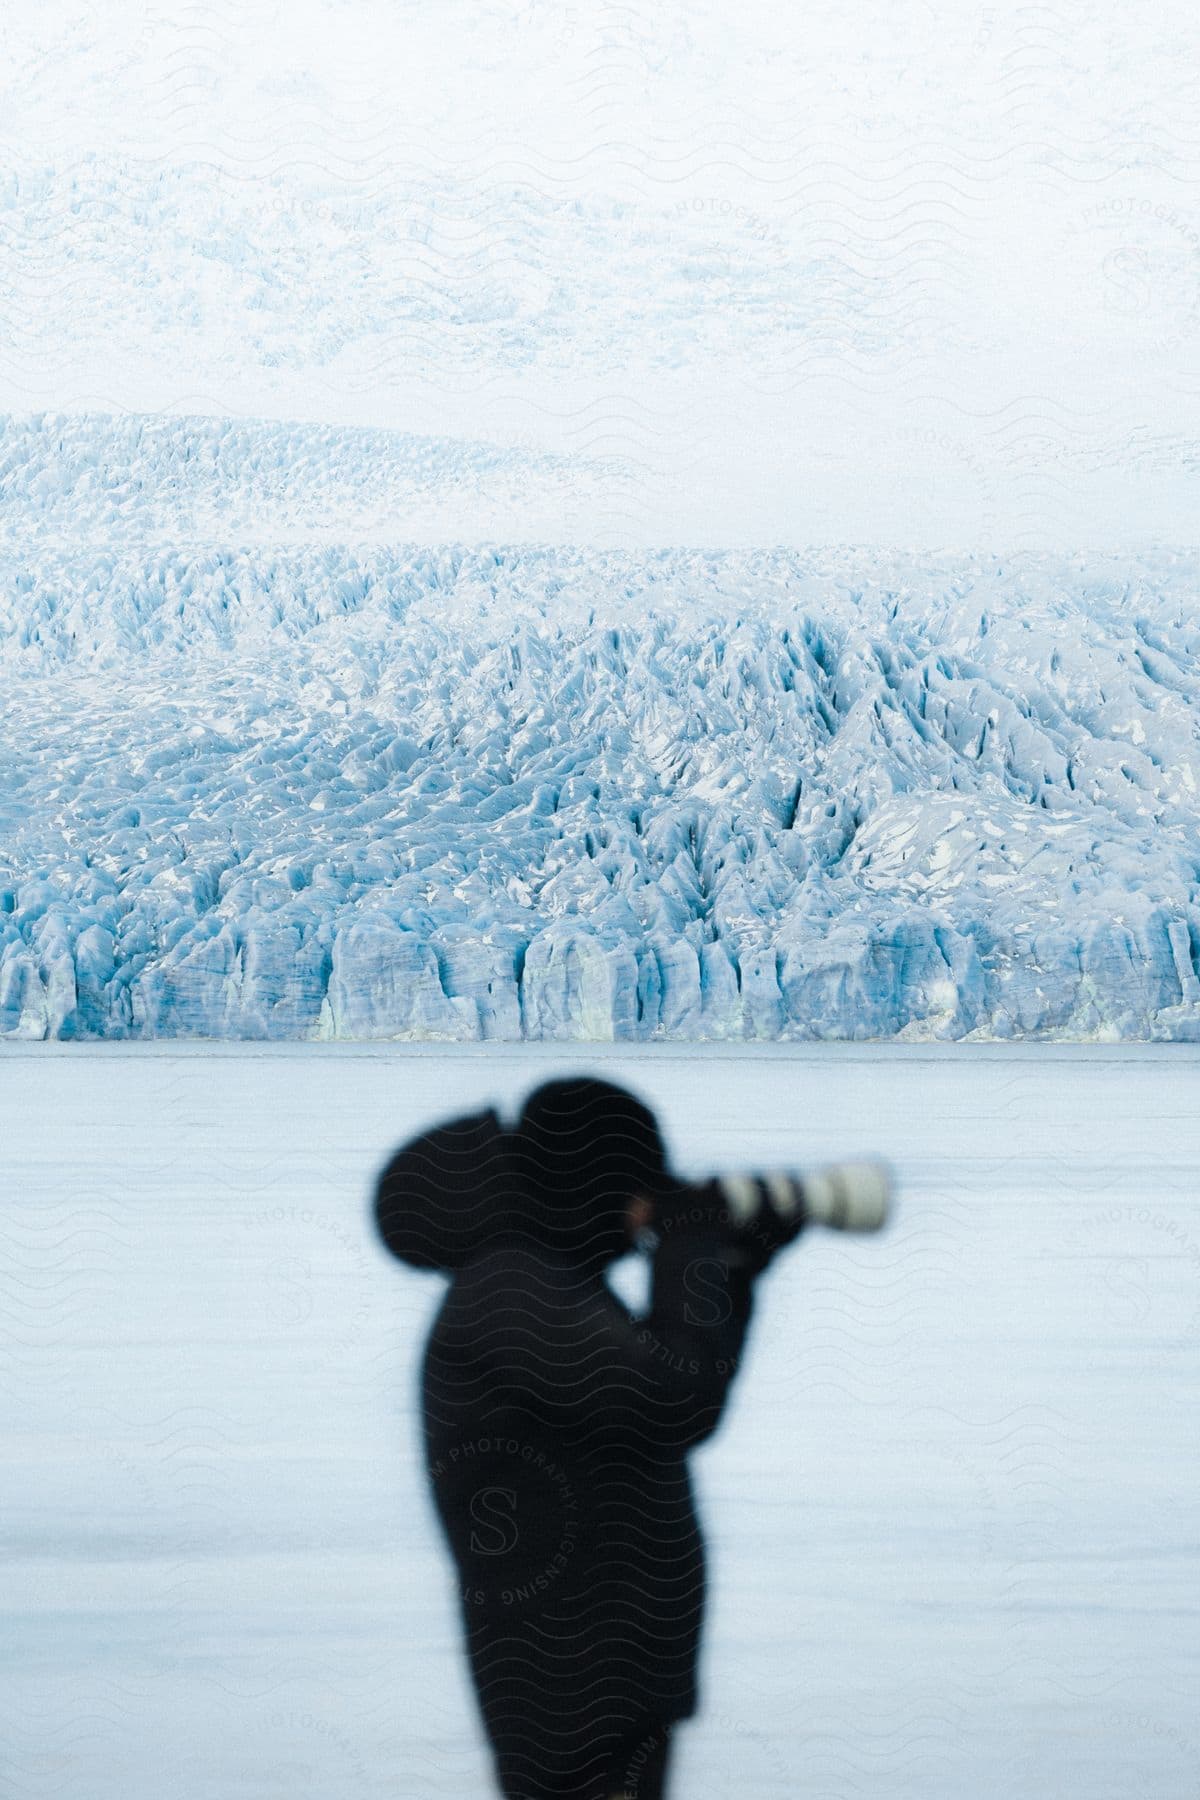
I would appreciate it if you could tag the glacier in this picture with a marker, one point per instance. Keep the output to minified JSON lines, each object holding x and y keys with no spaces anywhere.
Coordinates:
{"x":277,"y":763}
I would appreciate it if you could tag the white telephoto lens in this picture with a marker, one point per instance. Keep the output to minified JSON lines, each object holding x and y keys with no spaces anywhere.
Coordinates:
{"x":849,"y":1196}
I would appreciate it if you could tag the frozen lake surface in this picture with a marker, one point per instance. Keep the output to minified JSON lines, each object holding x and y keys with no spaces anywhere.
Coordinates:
{"x":952,"y":1513}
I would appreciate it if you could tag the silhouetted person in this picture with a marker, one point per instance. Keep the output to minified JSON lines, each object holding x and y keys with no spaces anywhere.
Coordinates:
{"x":557,"y":1424}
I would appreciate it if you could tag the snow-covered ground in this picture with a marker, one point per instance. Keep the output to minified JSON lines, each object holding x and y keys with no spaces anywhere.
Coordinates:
{"x":278,"y":762}
{"x":952,"y":1510}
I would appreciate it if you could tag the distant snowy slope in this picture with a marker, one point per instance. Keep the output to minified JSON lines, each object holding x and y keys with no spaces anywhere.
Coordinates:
{"x":470,"y":272}
{"x":291,"y":789}
{"x":161,"y":479}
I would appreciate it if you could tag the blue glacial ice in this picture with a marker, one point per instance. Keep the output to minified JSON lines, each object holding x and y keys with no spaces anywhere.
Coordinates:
{"x":253,"y":785}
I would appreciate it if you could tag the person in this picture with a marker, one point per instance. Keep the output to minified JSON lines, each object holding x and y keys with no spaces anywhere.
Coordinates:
{"x":558,"y":1424}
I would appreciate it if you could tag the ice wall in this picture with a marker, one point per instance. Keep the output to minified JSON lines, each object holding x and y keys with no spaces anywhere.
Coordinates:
{"x":281,"y":789}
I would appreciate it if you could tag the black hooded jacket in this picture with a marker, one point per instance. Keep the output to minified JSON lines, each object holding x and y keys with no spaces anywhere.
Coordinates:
{"x":557,"y":1425}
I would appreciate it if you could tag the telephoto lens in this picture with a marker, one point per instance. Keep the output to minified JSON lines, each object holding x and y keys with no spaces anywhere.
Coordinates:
{"x":849,"y":1196}
{"x":773,"y":1209}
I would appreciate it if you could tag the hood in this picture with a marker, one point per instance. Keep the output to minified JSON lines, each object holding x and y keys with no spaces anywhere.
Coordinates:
{"x":445,"y":1193}
{"x":560,"y":1180}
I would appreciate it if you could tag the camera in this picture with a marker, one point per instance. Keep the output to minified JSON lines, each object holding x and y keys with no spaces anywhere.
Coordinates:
{"x":765,"y":1212}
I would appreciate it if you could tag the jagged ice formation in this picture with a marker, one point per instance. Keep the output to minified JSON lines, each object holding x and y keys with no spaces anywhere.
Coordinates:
{"x":318,"y":790}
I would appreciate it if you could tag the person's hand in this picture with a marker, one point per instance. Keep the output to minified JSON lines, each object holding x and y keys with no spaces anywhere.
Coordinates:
{"x":639,"y":1215}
